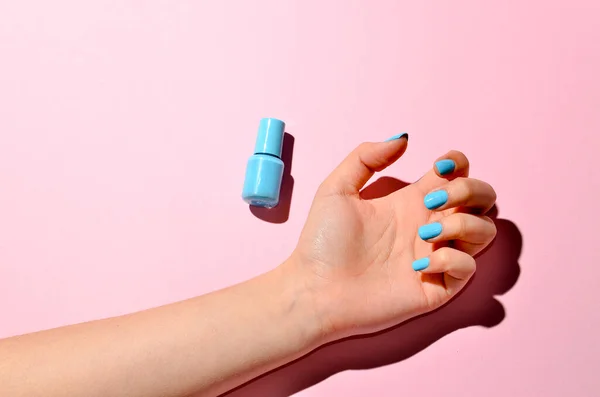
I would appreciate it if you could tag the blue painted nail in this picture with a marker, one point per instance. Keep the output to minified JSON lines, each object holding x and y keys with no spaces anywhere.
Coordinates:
{"x":420,"y":264}
{"x":436,"y":199}
{"x":430,"y":231}
{"x":445,"y":166}
{"x":397,"y":136}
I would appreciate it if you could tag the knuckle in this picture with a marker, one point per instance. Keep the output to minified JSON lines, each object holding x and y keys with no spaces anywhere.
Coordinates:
{"x":493,"y":230}
{"x":326,"y":188}
{"x":322,"y":190}
{"x":465,"y":185}
{"x":494,"y":194}
{"x":459,"y":156}
{"x":490,"y":231}
{"x":322,"y":186}
{"x":489,"y":189}
{"x":471,"y":265}
{"x":363,"y":147}
{"x":443,"y":256}
{"x":361,"y":151}
{"x":461,"y":224}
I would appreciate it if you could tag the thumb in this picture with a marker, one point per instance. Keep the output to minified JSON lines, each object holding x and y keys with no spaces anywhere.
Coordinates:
{"x":360,"y":165}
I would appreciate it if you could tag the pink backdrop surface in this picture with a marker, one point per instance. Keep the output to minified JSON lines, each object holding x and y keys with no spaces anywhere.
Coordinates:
{"x":125,"y":127}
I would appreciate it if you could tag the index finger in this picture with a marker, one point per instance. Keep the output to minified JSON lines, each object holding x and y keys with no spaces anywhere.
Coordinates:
{"x":450,"y":166}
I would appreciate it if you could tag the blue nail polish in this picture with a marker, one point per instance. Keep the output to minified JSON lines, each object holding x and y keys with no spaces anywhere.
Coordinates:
{"x":445,"y":166}
{"x":420,"y":264}
{"x":430,"y":231}
{"x":397,"y":136}
{"x":436,"y":199}
{"x":264,"y":170}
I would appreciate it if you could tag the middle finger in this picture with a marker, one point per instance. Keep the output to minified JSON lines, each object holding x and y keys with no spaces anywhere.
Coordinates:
{"x":462,"y":192}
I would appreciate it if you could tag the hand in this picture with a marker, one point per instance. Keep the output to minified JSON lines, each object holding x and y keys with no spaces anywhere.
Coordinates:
{"x":371,"y":264}
{"x":358,"y":267}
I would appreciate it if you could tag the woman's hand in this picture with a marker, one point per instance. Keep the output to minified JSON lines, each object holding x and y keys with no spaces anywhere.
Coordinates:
{"x":371,"y":264}
{"x":360,"y":266}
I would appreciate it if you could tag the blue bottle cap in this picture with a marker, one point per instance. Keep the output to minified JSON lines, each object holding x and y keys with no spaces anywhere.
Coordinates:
{"x":270,"y":137}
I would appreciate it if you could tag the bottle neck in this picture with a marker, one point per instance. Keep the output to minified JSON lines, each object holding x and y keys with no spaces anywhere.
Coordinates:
{"x":268,"y":154}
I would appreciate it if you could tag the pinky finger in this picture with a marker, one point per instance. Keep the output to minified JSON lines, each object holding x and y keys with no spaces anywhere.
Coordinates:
{"x":457,"y":266}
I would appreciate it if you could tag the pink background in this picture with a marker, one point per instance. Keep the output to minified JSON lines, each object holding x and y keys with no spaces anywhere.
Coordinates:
{"x":125,"y":127}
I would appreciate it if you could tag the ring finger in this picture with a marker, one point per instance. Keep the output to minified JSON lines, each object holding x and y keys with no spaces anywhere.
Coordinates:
{"x":470,"y":233}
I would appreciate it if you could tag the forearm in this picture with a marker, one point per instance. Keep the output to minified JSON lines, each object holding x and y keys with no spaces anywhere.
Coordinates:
{"x":204,"y":345}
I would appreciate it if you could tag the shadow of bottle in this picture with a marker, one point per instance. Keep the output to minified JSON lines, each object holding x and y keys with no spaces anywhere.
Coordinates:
{"x":497,"y":272}
{"x":281,"y":212}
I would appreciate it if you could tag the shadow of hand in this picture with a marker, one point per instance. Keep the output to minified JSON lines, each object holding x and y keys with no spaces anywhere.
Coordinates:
{"x":497,"y":272}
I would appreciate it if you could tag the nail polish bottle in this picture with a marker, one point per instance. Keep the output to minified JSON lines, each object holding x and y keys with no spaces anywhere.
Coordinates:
{"x":264,"y":170}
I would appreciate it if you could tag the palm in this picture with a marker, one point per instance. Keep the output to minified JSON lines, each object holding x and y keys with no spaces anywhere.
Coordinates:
{"x":365,"y":249}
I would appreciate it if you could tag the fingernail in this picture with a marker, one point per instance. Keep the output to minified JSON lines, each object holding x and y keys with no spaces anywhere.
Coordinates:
{"x":397,"y":136}
{"x":436,"y":199}
{"x":430,"y":231}
{"x":420,"y":264}
{"x":445,"y":166}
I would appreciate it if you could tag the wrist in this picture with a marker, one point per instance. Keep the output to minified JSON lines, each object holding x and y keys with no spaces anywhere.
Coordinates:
{"x":297,"y":303}
{"x":307,"y":298}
